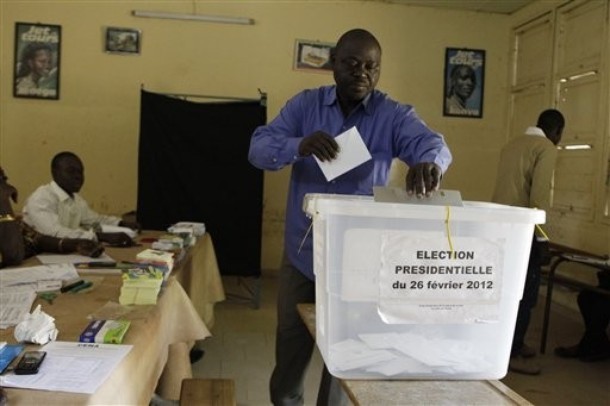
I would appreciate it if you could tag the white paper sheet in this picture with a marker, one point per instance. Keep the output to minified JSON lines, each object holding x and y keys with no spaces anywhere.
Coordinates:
{"x":118,"y":229}
{"x":417,"y":287}
{"x":352,"y":354}
{"x":71,"y":367}
{"x":18,"y":287}
{"x":72,"y":259}
{"x":34,"y":274}
{"x":353,"y":152}
{"x":15,"y":303}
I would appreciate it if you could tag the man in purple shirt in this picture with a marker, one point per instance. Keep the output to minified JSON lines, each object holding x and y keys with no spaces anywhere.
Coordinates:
{"x":306,"y":127}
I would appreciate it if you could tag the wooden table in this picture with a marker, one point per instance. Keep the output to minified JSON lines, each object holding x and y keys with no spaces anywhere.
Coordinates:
{"x":405,"y":392}
{"x":561,"y":254}
{"x":161,"y":335}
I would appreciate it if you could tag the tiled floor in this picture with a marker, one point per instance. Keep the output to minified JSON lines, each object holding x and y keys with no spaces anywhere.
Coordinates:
{"x":242,"y":348}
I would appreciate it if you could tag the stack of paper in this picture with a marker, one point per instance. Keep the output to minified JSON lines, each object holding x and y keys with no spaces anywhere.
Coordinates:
{"x":162,"y":260}
{"x":169,"y":242}
{"x":141,"y":285}
{"x":188,"y":227}
{"x":118,"y":229}
{"x":18,"y":287}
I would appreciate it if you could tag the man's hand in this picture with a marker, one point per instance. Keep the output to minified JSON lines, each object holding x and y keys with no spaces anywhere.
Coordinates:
{"x":423,"y":178}
{"x":319,"y":144}
{"x":115,"y":239}
{"x":89,"y":248}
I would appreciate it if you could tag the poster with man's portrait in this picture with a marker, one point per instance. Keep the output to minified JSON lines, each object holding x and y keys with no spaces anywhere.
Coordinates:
{"x":37,"y":52}
{"x":464,"y":82}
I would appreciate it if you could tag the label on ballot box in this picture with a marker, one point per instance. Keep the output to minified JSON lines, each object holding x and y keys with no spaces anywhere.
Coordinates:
{"x":426,"y":283}
{"x":105,"y":331}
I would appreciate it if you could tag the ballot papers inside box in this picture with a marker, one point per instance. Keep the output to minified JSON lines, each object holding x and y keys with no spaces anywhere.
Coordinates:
{"x":409,"y":291}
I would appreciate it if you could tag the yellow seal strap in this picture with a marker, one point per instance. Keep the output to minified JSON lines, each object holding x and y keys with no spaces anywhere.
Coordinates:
{"x":305,"y":236}
{"x":448,"y":210}
{"x":6,"y":217}
{"x":542,"y":231}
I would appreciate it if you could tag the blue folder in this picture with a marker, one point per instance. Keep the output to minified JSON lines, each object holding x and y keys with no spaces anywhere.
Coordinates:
{"x":7,"y":354}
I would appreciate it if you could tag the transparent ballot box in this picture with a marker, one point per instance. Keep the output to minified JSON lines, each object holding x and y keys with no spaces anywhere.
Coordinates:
{"x":416,"y":291}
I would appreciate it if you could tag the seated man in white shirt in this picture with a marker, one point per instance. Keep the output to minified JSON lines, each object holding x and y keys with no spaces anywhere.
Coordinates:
{"x":58,"y":210}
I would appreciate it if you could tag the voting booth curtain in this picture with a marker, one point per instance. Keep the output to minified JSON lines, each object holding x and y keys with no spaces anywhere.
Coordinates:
{"x":193,"y":166}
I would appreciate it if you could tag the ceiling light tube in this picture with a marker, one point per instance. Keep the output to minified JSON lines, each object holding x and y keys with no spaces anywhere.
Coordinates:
{"x":193,"y":17}
{"x":576,"y":146}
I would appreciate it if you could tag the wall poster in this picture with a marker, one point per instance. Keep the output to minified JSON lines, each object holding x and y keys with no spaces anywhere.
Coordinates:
{"x":464,"y":82}
{"x":123,"y":41}
{"x":312,"y":56}
{"x":37,"y":61}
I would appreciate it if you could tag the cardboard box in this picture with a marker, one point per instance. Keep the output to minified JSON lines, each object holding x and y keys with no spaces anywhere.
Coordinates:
{"x":105,"y":331}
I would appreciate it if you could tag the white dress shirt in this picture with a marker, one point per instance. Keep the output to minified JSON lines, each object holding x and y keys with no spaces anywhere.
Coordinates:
{"x":51,"y":211}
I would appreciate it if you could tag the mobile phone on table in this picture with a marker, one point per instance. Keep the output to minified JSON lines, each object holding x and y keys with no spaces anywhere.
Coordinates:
{"x":30,"y":362}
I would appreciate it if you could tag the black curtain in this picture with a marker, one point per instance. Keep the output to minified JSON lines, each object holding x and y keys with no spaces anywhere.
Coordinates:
{"x":193,"y":166}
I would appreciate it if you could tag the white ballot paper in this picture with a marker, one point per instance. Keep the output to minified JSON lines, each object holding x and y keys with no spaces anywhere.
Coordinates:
{"x":71,"y":367}
{"x":352,"y":152}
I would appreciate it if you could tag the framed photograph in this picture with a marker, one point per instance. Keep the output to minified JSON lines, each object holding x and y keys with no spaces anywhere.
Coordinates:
{"x":37,"y":61}
{"x":464,"y":82}
{"x":312,"y":56}
{"x":123,"y":41}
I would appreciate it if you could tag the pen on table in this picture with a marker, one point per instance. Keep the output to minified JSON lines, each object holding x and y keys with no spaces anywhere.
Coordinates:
{"x":48,"y":296}
{"x":95,"y":264}
{"x":71,"y":286}
{"x":80,"y":287}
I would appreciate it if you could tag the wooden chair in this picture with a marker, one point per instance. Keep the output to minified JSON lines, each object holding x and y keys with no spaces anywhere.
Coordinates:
{"x":207,"y":392}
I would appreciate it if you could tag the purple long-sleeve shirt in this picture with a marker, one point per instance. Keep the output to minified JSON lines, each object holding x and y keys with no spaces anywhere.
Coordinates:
{"x":389,"y":130}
